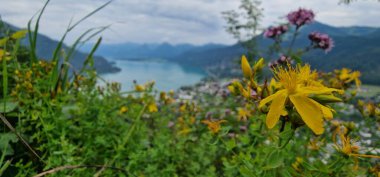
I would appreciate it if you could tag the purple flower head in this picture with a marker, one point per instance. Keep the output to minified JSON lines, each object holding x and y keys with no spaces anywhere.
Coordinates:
{"x":283,"y":60}
{"x":322,"y":41}
{"x":301,"y":17}
{"x":273,"y":32}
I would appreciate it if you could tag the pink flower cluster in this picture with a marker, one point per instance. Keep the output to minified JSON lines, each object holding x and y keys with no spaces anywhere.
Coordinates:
{"x":322,"y":41}
{"x":273,"y":32}
{"x":283,"y":60}
{"x":301,"y":17}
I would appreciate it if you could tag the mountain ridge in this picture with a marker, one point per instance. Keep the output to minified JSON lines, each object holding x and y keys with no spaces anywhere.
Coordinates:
{"x":45,"y":48}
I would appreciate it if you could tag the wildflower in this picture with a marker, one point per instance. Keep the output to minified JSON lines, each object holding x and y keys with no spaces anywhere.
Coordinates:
{"x":28,"y":75}
{"x":231,"y":88}
{"x":247,"y":71}
{"x":297,"y":85}
{"x":322,"y":41}
{"x":213,"y":126}
{"x":347,"y":76}
{"x":301,"y":17}
{"x":192,"y":120}
{"x":123,"y":110}
{"x":19,"y":34}
{"x":139,"y":88}
{"x":243,"y":114}
{"x":186,"y":130}
{"x":296,"y":165}
{"x":274,"y":32}
{"x":183,"y":107}
{"x":283,"y":60}
{"x":346,"y":147}
{"x":315,"y":144}
{"x":152,"y":107}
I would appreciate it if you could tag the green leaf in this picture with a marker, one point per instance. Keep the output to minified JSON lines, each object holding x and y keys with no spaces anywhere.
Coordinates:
{"x":230,"y":144}
{"x":5,"y":140}
{"x":3,"y":41}
{"x":309,"y":167}
{"x":4,"y":167}
{"x":275,"y":160}
{"x":9,"y":106}
{"x":296,"y":58}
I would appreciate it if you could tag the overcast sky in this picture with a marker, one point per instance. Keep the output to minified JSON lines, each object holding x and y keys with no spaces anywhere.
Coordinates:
{"x":174,"y":21}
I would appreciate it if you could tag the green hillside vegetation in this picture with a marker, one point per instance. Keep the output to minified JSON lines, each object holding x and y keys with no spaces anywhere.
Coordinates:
{"x":46,"y":46}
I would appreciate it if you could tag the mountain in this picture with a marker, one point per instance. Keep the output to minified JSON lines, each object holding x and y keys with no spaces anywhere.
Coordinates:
{"x":46,"y":46}
{"x":355,"y":47}
{"x":155,"y":50}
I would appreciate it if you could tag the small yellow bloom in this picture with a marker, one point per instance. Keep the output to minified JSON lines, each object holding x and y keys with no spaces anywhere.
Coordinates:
{"x":139,"y":88}
{"x":123,"y":110}
{"x":19,"y":34}
{"x":231,"y":88}
{"x":183,"y":107}
{"x":296,"y":165}
{"x":247,"y":71}
{"x":152,"y":107}
{"x":346,"y":147}
{"x":243,"y":114}
{"x":213,"y":126}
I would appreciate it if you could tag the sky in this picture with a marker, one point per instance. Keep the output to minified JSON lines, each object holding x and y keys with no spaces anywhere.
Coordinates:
{"x":174,"y":21}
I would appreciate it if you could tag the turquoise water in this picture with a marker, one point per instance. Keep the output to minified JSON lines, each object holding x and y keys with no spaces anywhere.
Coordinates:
{"x":167,"y":75}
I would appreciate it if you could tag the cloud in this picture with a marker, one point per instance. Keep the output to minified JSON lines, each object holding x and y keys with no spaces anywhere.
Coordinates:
{"x":174,"y":21}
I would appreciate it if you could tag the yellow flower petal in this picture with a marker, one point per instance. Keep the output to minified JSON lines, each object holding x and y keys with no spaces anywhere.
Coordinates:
{"x":276,"y":109}
{"x":310,"y":113}
{"x":319,"y":90}
{"x":326,"y":111}
{"x":270,"y":98}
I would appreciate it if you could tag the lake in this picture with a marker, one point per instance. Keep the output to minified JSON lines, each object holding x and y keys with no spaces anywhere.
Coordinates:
{"x":167,"y":75}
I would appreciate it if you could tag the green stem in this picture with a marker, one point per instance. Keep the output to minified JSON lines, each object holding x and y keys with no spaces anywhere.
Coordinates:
{"x":292,"y":42}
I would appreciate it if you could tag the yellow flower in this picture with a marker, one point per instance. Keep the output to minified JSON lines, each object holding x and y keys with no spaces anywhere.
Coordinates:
{"x":347,"y":76}
{"x":246,"y":68}
{"x":213,"y":126}
{"x":315,"y":144}
{"x":243,"y":114}
{"x":346,"y":147}
{"x":297,"y":86}
{"x":183,"y":107}
{"x":19,"y":34}
{"x":152,"y":107}
{"x":123,"y":110}
{"x":296,"y":165}
{"x":139,"y":88}
{"x":231,"y":88}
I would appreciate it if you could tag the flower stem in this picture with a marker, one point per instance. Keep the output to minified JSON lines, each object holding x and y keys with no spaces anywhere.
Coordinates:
{"x":292,"y":41}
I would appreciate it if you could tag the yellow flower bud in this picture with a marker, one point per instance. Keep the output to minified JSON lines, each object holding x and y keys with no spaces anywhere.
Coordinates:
{"x":259,"y":65}
{"x":152,"y":107}
{"x":123,"y":109}
{"x":246,"y":68}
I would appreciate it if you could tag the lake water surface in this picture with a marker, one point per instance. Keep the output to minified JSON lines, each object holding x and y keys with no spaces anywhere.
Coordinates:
{"x":167,"y":75}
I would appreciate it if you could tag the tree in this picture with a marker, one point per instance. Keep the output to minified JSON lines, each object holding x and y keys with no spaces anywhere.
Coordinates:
{"x":244,"y":24}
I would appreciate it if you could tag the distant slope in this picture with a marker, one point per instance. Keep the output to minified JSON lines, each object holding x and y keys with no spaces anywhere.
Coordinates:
{"x":135,"y":50}
{"x":46,"y":47}
{"x":357,"y":48}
